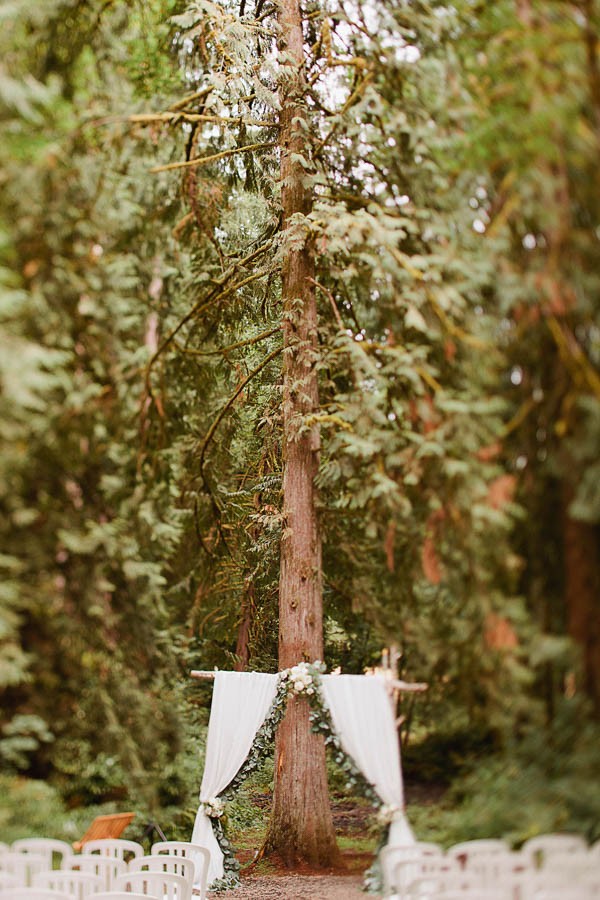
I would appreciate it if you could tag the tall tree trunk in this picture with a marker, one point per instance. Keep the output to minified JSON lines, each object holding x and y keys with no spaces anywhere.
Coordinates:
{"x":582,"y":594}
{"x":301,"y":827}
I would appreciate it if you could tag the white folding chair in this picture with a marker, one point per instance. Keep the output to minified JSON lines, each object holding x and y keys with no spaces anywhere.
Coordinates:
{"x":538,"y":883}
{"x":69,"y":881}
{"x":544,"y":845}
{"x":8,"y":881}
{"x":469,"y":849}
{"x":407,"y":871}
{"x":157,"y":884}
{"x":563,"y":893}
{"x":479,"y":894}
{"x":117,"y":848}
{"x":498,"y":867}
{"x":106,"y":867}
{"x":200,"y":856}
{"x":171,"y":865}
{"x":23,"y":865}
{"x":400,"y":853}
{"x":53,"y":850}
{"x":124,"y":895}
{"x":32,"y":893}
{"x":573,"y":865}
{"x":435,"y":883}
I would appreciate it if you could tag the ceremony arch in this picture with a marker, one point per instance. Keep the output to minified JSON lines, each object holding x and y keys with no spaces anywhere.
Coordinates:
{"x":355,"y":716}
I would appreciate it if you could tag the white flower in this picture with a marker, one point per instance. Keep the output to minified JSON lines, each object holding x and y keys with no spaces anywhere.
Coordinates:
{"x":214,"y":808}
{"x":298,"y":686}
{"x":386,"y":813}
{"x":310,"y":690}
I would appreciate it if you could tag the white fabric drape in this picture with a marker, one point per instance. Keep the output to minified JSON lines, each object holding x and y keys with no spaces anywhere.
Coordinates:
{"x":240,"y":703}
{"x":363,"y":718}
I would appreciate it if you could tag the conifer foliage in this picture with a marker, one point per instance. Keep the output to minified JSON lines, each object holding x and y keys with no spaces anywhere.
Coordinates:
{"x":298,"y":328}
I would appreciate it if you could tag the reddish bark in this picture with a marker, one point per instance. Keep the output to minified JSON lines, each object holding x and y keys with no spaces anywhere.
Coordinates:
{"x":301,"y":827}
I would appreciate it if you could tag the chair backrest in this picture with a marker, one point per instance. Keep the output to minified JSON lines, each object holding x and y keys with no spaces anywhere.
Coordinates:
{"x":118,"y":848}
{"x":171,"y":865}
{"x":393,"y":854}
{"x":200,"y":856}
{"x":124,"y":895}
{"x":435,"y":883}
{"x":106,"y":867}
{"x":468,"y":849}
{"x":571,"y":863}
{"x":477,"y":894}
{"x":158,"y":884}
{"x":541,"y":847}
{"x":48,"y":847}
{"x":105,"y":827}
{"x":23,"y":865}
{"x":76,"y":884}
{"x":32,"y":893}
{"x":496,"y":866}
{"x":406,"y":871}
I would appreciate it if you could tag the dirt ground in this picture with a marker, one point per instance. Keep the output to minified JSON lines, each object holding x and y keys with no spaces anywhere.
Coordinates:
{"x":297,"y":887}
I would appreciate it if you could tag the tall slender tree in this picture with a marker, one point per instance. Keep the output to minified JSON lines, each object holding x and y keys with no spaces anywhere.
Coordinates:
{"x":301,"y":825}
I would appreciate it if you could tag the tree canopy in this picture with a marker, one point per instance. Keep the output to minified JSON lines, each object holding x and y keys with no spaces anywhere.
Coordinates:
{"x":449,"y":153}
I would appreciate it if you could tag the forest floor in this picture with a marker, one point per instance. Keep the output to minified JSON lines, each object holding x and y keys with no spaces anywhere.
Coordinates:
{"x":269,"y":880}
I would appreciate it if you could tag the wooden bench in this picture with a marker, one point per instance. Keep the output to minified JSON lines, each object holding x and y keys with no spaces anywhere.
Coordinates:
{"x":105,"y":827}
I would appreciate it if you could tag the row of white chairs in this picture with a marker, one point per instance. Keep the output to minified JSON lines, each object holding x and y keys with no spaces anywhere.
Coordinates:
{"x":32,"y":893}
{"x":171,"y":871}
{"x":545,"y":865}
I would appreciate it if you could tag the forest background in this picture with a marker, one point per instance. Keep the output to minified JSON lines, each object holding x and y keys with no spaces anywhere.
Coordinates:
{"x":454,"y":164}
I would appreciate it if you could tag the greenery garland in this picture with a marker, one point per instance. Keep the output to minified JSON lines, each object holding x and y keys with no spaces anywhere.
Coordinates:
{"x":303,"y":679}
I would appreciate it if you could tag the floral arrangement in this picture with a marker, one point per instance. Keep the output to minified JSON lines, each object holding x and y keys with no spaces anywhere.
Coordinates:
{"x":302,"y":679}
{"x":213,"y":808}
{"x":386,"y":814}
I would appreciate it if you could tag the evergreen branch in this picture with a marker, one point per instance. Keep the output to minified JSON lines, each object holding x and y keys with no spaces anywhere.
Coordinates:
{"x":197,"y":95}
{"x":207,"y":301}
{"x":196,"y":310}
{"x":455,"y":330}
{"x":203,"y":160}
{"x":519,"y":417}
{"x":428,"y":379}
{"x":575,"y":359}
{"x":149,"y":118}
{"x":223,"y":350}
{"x":331,"y":299}
{"x":217,"y":421}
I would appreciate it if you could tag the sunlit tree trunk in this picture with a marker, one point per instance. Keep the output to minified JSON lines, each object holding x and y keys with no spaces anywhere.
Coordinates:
{"x":301,"y":827}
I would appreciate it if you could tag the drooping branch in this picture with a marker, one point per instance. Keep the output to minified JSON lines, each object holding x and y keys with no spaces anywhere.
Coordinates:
{"x":224,"y":350}
{"x":197,"y":95}
{"x":212,"y":298}
{"x":151,"y":118}
{"x":203,"y":160}
{"x":223,"y":411}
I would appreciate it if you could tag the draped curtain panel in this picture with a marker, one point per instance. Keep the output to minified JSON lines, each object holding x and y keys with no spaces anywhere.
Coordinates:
{"x":363,"y":718}
{"x":240,"y":703}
